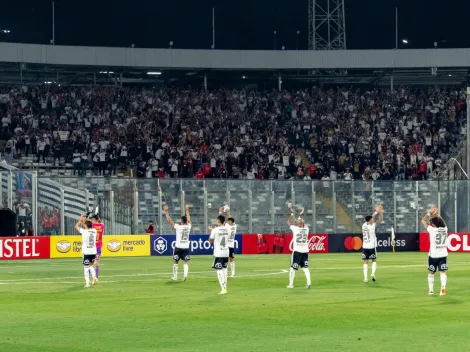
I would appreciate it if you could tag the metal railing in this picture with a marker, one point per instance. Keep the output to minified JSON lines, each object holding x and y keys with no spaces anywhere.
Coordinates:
{"x":126,"y":205}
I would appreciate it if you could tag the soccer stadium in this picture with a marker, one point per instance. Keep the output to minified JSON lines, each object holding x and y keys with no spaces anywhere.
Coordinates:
{"x":250,"y":176}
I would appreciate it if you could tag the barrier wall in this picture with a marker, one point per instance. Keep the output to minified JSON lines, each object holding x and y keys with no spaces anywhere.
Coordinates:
{"x":44,"y":247}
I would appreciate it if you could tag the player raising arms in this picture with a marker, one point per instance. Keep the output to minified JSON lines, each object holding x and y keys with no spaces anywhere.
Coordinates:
{"x":99,"y":227}
{"x":181,"y":251}
{"x":232,"y":230}
{"x":437,"y":260}
{"x":369,"y":242}
{"x":300,"y":250}
{"x":85,"y":227}
{"x":219,"y":237}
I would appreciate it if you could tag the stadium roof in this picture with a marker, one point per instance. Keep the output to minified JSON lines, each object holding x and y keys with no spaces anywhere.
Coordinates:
{"x":14,"y":73}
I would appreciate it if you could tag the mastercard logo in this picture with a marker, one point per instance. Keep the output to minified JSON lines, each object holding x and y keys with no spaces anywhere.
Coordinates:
{"x":114,"y":246}
{"x":353,"y":243}
{"x":63,"y":246}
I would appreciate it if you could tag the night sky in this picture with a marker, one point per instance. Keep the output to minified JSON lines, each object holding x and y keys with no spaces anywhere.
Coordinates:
{"x":242,"y":24}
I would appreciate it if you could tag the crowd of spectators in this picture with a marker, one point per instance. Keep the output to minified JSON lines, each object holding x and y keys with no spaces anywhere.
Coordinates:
{"x":317,"y":133}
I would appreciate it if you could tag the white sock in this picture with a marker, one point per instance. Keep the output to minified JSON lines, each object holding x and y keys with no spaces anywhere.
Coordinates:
{"x":291,"y":277}
{"x":175,"y":271}
{"x":93,"y":272}
{"x":443,"y":280}
{"x":185,"y":270}
{"x":431,"y":282}
{"x":86,"y":272}
{"x":232,"y":267}
{"x":222,"y":282}
{"x":365,"y":269}
{"x":307,"y":275}
{"x":225,"y":271}
{"x":374,"y":268}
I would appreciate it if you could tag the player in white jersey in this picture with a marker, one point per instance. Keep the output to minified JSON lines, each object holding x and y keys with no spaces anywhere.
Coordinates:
{"x":219,"y":238}
{"x":437,"y":260}
{"x":85,"y":227}
{"x":232,"y":230}
{"x":369,"y":242}
{"x":181,"y":251}
{"x":300,"y":248}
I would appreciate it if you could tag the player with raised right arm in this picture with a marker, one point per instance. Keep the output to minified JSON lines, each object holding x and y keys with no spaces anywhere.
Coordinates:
{"x":437,"y":260}
{"x":300,"y":249}
{"x":369,"y":241}
{"x":85,"y":227}
{"x":181,"y":251}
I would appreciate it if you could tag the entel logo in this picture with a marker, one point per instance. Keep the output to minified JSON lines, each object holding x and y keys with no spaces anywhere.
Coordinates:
{"x":353,"y":243}
{"x":160,"y":245}
{"x":19,"y":248}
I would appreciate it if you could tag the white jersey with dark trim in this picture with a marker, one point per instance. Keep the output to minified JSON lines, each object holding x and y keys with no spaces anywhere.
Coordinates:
{"x":88,"y":241}
{"x":232,"y":230}
{"x":220,"y":236}
{"x":300,"y":238}
{"x":182,"y":235}
{"x":437,"y":242}
{"x":369,"y":238}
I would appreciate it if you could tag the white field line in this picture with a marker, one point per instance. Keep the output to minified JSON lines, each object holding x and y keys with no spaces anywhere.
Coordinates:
{"x":258,"y":273}
{"x":39,"y":281}
{"x":62,"y":261}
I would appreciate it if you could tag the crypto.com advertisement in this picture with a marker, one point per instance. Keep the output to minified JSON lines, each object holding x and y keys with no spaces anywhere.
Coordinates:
{"x":198,"y":244}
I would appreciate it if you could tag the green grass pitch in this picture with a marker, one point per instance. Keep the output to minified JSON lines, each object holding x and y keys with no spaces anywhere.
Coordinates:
{"x":44,"y":306}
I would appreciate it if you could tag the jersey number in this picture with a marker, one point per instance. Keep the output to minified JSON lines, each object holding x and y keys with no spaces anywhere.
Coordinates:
{"x":185,"y":236}
{"x":366,"y":237}
{"x":232,"y":235}
{"x":91,"y":241}
{"x":302,"y":238}
{"x":222,"y":242}
{"x":440,"y":239}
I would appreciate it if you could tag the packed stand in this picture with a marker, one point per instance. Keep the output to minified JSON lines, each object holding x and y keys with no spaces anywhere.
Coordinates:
{"x":189,"y":133}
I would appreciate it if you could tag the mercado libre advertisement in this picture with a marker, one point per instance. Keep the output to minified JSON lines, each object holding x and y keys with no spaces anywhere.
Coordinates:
{"x":281,"y":243}
{"x":66,"y":246}
{"x":126,"y":246}
{"x":113,"y":246}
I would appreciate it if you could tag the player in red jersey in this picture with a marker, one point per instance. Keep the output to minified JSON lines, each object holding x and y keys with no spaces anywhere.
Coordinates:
{"x":99,"y":226}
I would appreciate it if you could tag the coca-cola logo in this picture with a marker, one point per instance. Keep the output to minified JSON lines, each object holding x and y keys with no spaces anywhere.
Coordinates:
{"x":316,"y":243}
